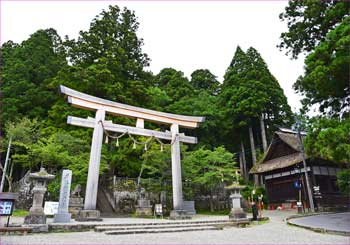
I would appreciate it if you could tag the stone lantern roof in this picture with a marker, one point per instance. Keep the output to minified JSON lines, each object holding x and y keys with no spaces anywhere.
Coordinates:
{"x":42,"y":174}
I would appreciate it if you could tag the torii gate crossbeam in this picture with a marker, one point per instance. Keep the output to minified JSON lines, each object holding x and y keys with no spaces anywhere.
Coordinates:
{"x":101,"y":107}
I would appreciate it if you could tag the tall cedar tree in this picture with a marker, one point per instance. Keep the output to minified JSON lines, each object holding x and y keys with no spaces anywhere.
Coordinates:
{"x":107,"y":60}
{"x":250,"y":90}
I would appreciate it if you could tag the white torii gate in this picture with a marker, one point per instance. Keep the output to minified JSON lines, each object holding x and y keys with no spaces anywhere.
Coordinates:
{"x":101,"y":107}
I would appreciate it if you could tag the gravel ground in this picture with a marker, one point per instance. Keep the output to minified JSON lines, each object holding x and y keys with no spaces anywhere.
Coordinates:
{"x":274,"y":232}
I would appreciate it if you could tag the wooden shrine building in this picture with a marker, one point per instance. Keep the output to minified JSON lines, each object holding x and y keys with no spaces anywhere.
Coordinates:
{"x":283,"y":175}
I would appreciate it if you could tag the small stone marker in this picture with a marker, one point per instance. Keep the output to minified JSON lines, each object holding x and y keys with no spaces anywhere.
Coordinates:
{"x":62,"y":215}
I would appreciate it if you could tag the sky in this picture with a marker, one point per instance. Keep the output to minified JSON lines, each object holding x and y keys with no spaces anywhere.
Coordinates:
{"x":183,"y":35}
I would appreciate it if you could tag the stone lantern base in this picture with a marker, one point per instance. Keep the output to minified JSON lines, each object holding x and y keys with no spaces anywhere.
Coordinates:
{"x":35,"y":219}
{"x":237,"y":214}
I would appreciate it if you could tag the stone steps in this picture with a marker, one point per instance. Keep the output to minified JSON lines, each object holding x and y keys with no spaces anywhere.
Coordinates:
{"x":162,"y":222}
{"x":162,"y":227}
{"x":155,"y":227}
{"x":161,"y":230}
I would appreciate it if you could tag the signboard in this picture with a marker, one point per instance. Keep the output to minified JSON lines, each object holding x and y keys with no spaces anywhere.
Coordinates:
{"x":317,"y":192}
{"x":158,"y":209}
{"x":6,"y":207}
{"x":50,"y":208}
{"x":297,"y":184}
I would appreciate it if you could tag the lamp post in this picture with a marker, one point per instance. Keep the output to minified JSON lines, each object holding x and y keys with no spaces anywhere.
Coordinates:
{"x":308,"y":188}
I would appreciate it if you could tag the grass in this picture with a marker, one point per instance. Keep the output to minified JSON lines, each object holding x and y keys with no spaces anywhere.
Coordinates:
{"x":207,"y":212}
{"x":262,"y":222}
{"x":20,"y":213}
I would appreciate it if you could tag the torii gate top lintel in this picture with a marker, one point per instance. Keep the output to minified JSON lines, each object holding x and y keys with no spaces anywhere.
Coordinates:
{"x":85,"y":101}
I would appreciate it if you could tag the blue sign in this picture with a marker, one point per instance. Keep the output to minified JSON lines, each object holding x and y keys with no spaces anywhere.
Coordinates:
{"x":6,"y":207}
{"x":297,"y":184}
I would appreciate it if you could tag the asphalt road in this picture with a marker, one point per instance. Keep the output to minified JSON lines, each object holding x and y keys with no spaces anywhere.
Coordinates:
{"x":330,"y":222}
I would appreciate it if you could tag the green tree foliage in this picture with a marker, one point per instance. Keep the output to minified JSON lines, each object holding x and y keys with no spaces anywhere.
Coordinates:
{"x":206,"y":170}
{"x":107,"y":59}
{"x":343,"y":180}
{"x":27,"y":70}
{"x":209,"y":168}
{"x":327,"y":71}
{"x":203,"y":79}
{"x":309,"y":22}
{"x":329,"y":139}
{"x":201,"y":104}
{"x":174,"y":83}
{"x":321,"y":28}
{"x":24,"y":133}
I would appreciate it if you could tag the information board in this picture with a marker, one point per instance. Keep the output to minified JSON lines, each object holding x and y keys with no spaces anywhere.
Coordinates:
{"x":50,"y":208}
{"x":6,"y":207}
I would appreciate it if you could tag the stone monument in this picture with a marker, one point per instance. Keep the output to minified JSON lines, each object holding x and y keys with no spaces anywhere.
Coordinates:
{"x":62,"y":215}
{"x":36,"y":212}
{"x":143,"y":207}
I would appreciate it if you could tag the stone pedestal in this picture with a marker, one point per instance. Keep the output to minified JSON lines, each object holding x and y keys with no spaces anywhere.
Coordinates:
{"x":35,"y":219}
{"x":179,"y":215}
{"x":188,"y":206}
{"x":89,"y":215}
{"x":62,"y":215}
{"x":144,"y":207}
{"x":76,"y":204}
{"x":36,"y":212}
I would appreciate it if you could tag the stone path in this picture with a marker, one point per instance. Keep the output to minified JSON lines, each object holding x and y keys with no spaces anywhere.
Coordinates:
{"x":274,"y":232}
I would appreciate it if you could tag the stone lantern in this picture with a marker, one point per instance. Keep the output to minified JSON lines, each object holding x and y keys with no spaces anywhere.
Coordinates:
{"x":36,"y":212}
{"x":237,"y":214}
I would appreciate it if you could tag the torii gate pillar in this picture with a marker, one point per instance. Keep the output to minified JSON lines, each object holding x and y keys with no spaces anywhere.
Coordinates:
{"x":90,"y":212}
{"x":176,"y":171}
{"x":101,"y":107}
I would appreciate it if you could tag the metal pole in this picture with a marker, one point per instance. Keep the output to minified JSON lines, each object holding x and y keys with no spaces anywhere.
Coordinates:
{"x":309,"y":193}
{"x":5,"y":167}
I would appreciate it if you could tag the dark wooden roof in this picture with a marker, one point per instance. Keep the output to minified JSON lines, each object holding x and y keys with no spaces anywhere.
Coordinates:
{"x":276,"y":163}
{"x":282,"y":152}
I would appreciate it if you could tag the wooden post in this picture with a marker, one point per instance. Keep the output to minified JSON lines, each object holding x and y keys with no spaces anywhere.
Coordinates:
{"x":94,"y":164}
{"x":176,"y":168}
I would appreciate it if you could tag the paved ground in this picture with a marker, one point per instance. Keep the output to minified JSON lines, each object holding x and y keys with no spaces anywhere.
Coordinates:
{"x":330,"y":222}
{"x":274,"y":232}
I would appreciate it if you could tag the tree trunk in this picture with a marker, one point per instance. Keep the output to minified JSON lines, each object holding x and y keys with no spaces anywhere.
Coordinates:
{"x":211,"y":203}
{"x":244,"y":162}
{"x":263,"y":133}
{"x":241,"y":165}
{"x":252,"y":147}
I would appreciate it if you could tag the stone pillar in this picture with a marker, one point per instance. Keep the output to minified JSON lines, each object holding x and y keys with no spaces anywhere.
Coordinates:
{"x":62,"y":215}
{"x":90,"y":212}
{"x":176,"y":169}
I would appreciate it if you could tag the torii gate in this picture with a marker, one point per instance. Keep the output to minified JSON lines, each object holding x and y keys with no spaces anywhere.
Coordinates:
{"x":102,"y":106}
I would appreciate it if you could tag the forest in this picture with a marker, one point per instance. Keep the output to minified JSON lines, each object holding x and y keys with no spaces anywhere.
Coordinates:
{"x":241,"y":113}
